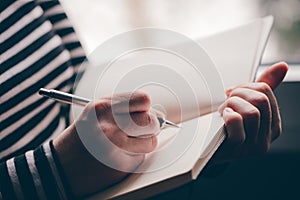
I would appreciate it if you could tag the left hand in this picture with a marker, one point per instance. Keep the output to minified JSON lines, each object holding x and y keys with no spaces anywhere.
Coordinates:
{"x":251,"y":116}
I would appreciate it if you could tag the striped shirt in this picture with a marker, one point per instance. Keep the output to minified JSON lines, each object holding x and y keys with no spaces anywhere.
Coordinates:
{"x":38,"y":48}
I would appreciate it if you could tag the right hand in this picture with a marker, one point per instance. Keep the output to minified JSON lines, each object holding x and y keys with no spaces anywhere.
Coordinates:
{"x":100,"y":119}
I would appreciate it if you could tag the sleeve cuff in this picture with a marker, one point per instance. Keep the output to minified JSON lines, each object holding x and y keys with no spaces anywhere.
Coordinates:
{"x":57,"y":171}
{"x":33,"y":175}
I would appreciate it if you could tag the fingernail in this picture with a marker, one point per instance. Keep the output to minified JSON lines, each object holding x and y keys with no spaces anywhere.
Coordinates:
{"x":227,"y":111}
{"x":228,"y":91}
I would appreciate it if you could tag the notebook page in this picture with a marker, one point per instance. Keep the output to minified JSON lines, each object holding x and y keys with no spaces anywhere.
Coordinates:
{"x":267,"y":23}
{"x":234,"y":52}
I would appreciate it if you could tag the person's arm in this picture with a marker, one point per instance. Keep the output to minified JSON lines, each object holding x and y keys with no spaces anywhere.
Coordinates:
{"x":32,"y":175}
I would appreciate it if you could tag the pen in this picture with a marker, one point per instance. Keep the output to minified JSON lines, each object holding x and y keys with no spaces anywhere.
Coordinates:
{"x":73,"y":99}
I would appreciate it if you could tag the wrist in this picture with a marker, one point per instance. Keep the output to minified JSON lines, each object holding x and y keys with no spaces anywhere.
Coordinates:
{"x":83,"y":173}
{"x":67,"y":148}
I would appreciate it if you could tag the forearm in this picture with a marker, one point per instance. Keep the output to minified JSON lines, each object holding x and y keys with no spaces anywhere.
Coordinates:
{"x":32,"y":175}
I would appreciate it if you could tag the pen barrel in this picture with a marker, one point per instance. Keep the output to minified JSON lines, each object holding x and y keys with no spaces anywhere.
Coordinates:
{"x":68,"y":98}
{"x":80,"y":102}
{"x":73,"y":99}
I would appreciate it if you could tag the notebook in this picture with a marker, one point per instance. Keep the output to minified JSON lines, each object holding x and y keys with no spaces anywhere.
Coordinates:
{"x":182,"y":154}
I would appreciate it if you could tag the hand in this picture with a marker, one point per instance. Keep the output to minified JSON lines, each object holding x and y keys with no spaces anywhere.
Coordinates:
{"x":251,"y":116}
{"x":107,"y":118}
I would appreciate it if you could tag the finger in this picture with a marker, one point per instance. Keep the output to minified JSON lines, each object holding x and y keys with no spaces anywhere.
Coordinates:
{"x":141,"y":145}
{"x":234,"y":127}
{"x":137,"y":101}
{"x":138,"y":124}
{"x":260,"y":101}
{"x":249,"y":113}
{"x":133,"y":144}
{"x":276,"y":127}
{"x":274,"y":75}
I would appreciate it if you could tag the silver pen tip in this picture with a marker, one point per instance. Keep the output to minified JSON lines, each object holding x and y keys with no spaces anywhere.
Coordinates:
{"x":169,"y":123}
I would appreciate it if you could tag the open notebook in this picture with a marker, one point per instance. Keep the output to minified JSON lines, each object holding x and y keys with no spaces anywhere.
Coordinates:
{"x":236,"y":54}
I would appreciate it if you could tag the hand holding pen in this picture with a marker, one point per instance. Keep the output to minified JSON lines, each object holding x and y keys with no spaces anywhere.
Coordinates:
{"x":73,"y":99}
{"x":95,"y":147}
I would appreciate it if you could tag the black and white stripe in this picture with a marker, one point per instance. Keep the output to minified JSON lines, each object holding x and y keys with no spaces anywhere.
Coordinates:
{"x":38,"y":48}
{"x":32,"y":176}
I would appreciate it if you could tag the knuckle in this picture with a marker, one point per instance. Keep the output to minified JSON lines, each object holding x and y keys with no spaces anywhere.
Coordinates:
{"x":233,"y":120}
{"x":142,"y":97}
{"x":252,"y":114}
{"x":102,"y":106}
{"x":262,"y":99}
{"x":232,"y":101}
{"x":264,"y":87}
{"x":236,"y":92}
{"x":98,"y":105}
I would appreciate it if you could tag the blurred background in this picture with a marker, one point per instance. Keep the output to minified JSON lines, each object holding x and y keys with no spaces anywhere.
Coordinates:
{"x":97,"y":20}
{"x":272,"y":176}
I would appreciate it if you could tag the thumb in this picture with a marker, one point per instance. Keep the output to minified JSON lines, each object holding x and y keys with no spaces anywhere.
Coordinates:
{"x":274,"y":75}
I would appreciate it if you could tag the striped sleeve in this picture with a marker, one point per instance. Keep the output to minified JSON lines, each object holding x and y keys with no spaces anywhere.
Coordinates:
{"x":33,"y":175}
{"x":54,"y":12}
{"x":38,"y":49}
{"x":61,"y":25}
